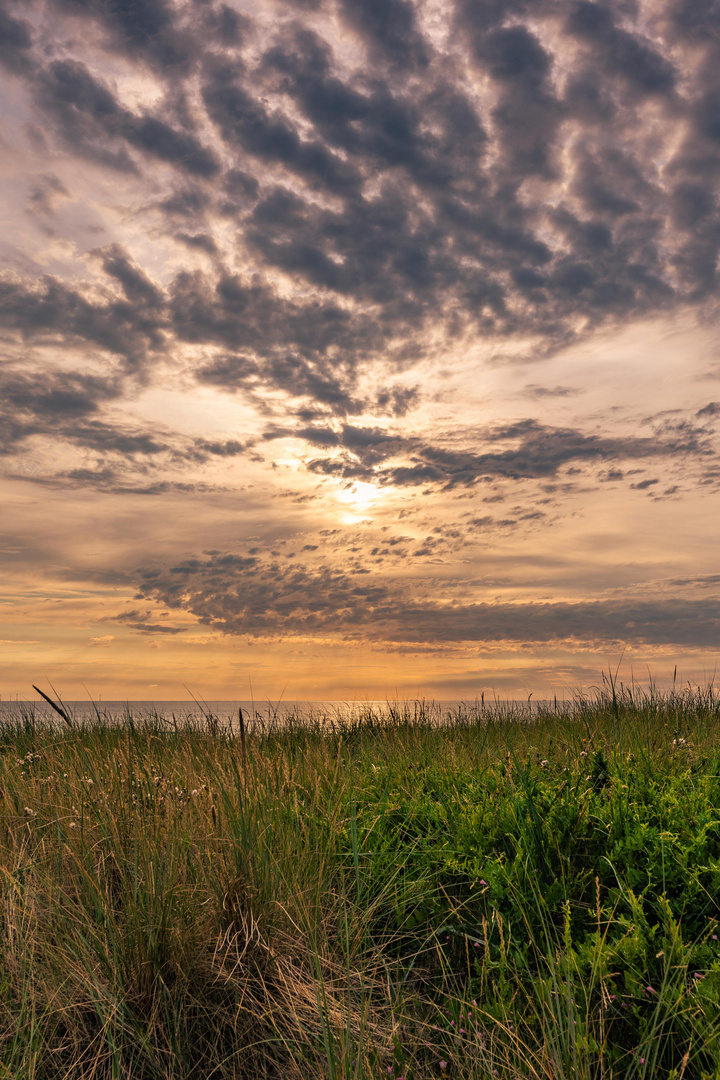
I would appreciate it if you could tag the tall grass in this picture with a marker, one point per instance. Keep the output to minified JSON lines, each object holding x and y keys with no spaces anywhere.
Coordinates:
{"x":410,"y":892}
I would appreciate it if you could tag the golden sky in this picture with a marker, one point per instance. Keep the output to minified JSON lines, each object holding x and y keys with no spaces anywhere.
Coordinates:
{"x":357,"y":349}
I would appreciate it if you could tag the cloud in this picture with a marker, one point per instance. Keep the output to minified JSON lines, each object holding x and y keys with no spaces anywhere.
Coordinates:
{"x":67,"y":406}
{"x":526,"y":449}
{"x":380,"y":210}
{"x":259,"y":596}
{"x":325,"y":211}
{"x":533,"y":390}
{"x":136,"y":284}
{"x":46,"y":194}
{"x":391,"y":202}
{"x":148,"y":31}
{"x":390,"y":29}
{"x":527,"y":113}
{"x":137,"y":621}
{"x":627,"y":56}
{"x":271,"y":138}
{"x":703,"y":581}
{"x":91,"y":121}
{"x":15,"y":42}
{"x":77,"y":315}
{"x":643,"y":485}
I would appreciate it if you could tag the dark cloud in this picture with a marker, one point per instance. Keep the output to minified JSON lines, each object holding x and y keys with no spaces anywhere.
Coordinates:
{"x":72,"y":395}
{"x":86,"y":412}
{"x":67,"y":407}
{"x":527,"y":114}
{"x":704,"y":581}
{"x":137,"y":620}
{"x":390,"y":28}
{"x":199,"y":241}
{"x":643,"y":485}
{"x":382,"y":211}
{"x":15,"y":42}
{"x":222,"y":23}
{"x":50,"y":308}
{"x":533,"y":390}
{"x":372,"y":203}
{"x":380,"y":126}
{"x":312,"y":353}
{"x":157,"y":139}
{"x":144,"y":28}
{"x":136,"y":285}
{"x":527,"y":449}
{"x":186,"y":202}
{"x":116,"y":481}
{"x":91,"y":121}
{"x":626,"y":55}
{"x":253,"y":596}
{"x":698,"y":22}
{"x":611,"y":183}
{"x":398,"y":400}
{"x":81,"y":113}
{"x":229,"y":448}
{"x":45,"y":193}
{"x":246,"y":124}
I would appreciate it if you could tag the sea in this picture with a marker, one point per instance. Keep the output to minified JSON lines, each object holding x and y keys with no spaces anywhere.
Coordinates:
{"x":262,"y":716}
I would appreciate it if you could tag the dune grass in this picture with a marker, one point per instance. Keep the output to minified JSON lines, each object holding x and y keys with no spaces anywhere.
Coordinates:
{"x":404,"y":894}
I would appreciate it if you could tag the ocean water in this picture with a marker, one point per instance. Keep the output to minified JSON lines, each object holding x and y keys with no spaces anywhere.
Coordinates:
{"x":259,"y":716}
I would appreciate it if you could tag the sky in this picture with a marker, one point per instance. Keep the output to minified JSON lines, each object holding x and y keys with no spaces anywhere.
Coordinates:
{"x":358,"y":348}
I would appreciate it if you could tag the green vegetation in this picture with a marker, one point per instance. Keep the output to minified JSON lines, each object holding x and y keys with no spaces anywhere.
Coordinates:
{"x":399,"y":895}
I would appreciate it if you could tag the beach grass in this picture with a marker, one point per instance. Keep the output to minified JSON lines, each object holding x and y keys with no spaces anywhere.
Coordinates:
{"x":404,"y":892}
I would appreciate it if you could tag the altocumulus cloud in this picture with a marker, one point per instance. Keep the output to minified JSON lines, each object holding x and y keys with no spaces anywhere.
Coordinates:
{"x":242,"y":594}
{"x":307,"y":206}
{"x":386,"y":189}
{"x":527,"y":449}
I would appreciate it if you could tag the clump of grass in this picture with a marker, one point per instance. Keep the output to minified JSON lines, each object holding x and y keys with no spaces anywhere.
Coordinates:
{"x":408,"y":892}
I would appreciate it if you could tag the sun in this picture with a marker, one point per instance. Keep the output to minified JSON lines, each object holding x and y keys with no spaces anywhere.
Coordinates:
{"x":359,"y":498}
